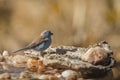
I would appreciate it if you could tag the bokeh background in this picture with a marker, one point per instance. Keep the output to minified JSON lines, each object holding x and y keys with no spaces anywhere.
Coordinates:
{"x":73,"y":22}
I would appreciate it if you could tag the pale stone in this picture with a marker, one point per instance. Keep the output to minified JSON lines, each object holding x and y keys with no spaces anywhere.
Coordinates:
{"x":5,"y":53}
{"x":95,"y":55}
{"x":68,"y":73}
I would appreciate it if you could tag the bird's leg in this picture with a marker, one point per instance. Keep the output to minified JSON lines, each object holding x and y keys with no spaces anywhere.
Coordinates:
{"x":40,"y":55}
{"x":41,"y":52}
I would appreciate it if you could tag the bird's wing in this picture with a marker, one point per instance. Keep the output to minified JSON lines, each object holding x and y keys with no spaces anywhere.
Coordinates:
{"x":37,"y":42}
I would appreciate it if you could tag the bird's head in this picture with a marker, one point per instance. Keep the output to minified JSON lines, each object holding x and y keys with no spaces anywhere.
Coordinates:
{"x":46,"y":33}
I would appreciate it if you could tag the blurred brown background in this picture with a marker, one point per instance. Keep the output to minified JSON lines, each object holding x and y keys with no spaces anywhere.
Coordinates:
{"x":73,"y":22}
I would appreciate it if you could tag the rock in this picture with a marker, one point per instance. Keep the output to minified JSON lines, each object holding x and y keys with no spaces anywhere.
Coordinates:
{"x":5,"y":66}
{"x":19,"y":61}
{"x":81,"y":79}
{"x":48,"y":77}
{"x":9,"y":60}
{"x":58,"y":75}
{"x":86,"y":61}
{"x":41,"y":66}
{"x":32,"y":53}
{"x":35,"y":65}
{"x":69,"y":73}
{"x":32,"y":64}
{"x":24,"y":75}
{"x":95,"y":55}
{"x":1,"y":58}
{"x":71,"y":77}
{"x":51,"y":71}
{"x":43,"y":77}
{"x":5,"y":53}
{"x":52,"y":77}
{"x":5,"y":76}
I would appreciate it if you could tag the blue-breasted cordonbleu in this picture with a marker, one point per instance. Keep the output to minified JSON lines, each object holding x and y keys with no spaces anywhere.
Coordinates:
{"x":40,"y":43}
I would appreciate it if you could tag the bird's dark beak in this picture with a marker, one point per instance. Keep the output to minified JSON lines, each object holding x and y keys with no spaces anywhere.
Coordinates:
{"x":51,"y":33}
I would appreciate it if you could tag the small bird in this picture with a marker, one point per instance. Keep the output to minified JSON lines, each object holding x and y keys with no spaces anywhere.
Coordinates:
{"x":39,"y":44}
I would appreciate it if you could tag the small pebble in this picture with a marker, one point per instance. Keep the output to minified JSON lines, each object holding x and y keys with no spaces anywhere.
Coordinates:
{"x":1,"y":58}
{"x":5,"y":66}
{"x":71,"y":77}
{"x":48,"y":77}
{"x":5,"y":76}
{"x":68,"y":73}
{"x":58,"y":75}
{"x":5,"y":53}
{"x":19,"y":61}
{"x":41,"y":69}
{"x":32,"y":65}
{"x":52,"y":77}
{"x":43,"y":77}
{"x":25,"y":74}
{"x":35,"y":65}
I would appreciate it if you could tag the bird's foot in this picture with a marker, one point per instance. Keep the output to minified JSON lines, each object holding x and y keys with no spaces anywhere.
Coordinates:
{"x":40,"y":55}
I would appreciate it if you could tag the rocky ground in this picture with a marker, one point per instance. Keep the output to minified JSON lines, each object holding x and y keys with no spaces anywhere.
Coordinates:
{"x":59,"y":63}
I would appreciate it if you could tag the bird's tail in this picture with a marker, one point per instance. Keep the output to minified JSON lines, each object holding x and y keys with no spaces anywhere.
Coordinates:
{"x":23,"y":49}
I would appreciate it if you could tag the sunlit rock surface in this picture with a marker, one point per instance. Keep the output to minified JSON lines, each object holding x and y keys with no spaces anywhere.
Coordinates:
{"x":59,"y":63}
